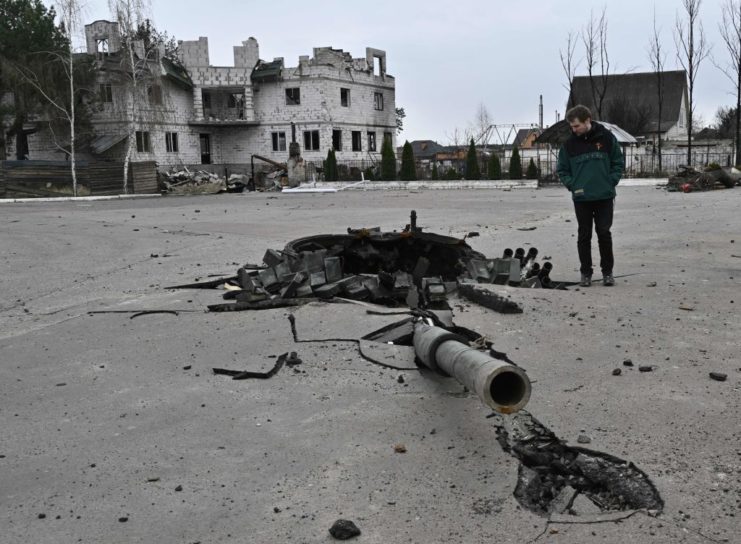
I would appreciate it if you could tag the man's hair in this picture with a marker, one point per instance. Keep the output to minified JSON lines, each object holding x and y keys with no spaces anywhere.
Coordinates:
{"x":579,"y":112}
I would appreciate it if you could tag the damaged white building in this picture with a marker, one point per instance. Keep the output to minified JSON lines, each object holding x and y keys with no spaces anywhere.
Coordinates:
{"x":189,"y":112}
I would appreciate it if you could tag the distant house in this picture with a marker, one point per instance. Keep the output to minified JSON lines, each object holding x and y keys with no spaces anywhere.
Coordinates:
{"x":425,"y":150}
{"x":631,"y":101}
{"x":525,"y":138}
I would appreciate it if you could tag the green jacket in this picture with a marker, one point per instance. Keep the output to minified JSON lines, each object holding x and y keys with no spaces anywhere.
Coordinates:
{"x":590,"y":166}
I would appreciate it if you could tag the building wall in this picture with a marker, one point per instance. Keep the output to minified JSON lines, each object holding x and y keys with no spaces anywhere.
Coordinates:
{"x":237,"y":134}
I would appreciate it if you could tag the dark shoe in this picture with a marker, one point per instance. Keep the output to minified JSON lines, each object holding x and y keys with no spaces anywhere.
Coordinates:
{"x":608,"y":280}
{"x":586,"y":281}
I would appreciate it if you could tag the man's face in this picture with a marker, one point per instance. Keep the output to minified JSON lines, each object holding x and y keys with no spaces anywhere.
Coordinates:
{"x":580,"y":127}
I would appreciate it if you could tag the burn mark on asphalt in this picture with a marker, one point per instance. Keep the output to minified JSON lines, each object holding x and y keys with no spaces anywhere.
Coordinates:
{"x":552,"y":476}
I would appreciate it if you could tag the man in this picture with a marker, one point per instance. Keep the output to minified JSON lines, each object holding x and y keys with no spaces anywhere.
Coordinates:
{"x":590,"y":164}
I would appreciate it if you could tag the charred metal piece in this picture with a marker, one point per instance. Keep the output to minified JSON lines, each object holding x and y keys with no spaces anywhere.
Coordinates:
{"x":211,"y":284}
{"x":245,"y":374}
{"x":552,"y":474}
{"x":391,"y":268}
{"x":501,"y":386}
{"x":150,"y":312}
{"x":488,"y":299}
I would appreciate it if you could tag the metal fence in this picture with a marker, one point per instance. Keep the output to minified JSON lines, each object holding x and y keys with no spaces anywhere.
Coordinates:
{"x":638,"y":163}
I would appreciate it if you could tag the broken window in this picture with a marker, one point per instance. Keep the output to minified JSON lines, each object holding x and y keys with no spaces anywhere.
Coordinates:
{"x":388,"y":137}
{"x":235,"y":100}
{"x":345,"y":97}
{"x":206,"y":97}
{"x":101,"y":47}
{"x":142,"y":142}
{"x":279,"y":141}
{"x":337,"y":140}
{"x":154,"y":94}
{"x":371,"y":141}
{"x":311,"y":140}
{"x":378,"y":101}
{"x":293,"y":96}
{"x":357,"y":137}
{"x":106,"y":93}
{"x":171,"y":142}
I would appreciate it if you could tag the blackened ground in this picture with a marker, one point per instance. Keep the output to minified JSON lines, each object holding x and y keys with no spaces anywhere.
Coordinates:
{"x":552,"y":475}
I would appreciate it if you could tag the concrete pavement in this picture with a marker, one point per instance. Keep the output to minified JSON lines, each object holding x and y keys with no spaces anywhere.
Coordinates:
{"x":115,"y":430}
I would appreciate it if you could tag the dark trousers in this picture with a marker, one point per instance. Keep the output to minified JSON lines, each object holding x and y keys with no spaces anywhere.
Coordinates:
{"x":599,"y":214}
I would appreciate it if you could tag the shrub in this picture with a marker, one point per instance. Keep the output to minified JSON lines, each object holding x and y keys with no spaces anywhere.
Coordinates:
{"x":408,"y":170}
{"x":369,"y":174}
{"x":532,"y":170}
{"x":451,"y":174}
{"x":435,"y":175}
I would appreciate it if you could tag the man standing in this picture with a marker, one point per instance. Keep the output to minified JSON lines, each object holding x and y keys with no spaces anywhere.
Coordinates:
{"x":590,"y":164}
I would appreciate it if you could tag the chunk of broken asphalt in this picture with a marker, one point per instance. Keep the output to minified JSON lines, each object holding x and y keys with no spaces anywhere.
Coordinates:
{"x":344,"y":529}
{"x":583,"y":439}
{"x":628,"y":362}
{"x":617,"y":372}
{"x":718,"y":376}
{"x":645,"y":368}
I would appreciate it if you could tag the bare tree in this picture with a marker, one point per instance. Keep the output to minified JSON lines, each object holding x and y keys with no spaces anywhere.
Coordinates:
{"x":482,"y":126}
{"x":69,"y":12}
{"x":657,"y":58}
{"x":130,"y":16}
{"x":458,"y":137}
{"x":61,"y":105}
{"x":594,"y":38}
{"x":568,"y":64}
{"x":730,"y":31}
{"x":692,"y":49}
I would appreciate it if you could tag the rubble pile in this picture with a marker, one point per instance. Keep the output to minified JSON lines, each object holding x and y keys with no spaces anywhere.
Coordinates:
{"x":408,"y":268}
{"x":200,"y":181}
{"x":689,"y":180}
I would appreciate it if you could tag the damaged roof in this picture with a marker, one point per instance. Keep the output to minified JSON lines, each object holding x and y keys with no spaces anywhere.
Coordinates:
{"x":267,"y":71}
{"x":176,"y":72}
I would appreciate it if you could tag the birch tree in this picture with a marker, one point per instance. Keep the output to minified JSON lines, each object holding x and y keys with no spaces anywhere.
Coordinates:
{"x":692,"y":49}
{"x":129,"y":14}
{"x":657,"y":58}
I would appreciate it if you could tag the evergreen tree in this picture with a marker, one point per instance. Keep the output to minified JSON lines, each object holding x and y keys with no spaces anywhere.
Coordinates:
{"x":435,"y":174}
{"x":532,"y":170}
{"x":472,"y":163}
{"x":515,"y":165}
{"x":31,"y":46}
{"x":330,"y":166}
{"x":388,"y":161}
{"x":408,"y":170}
{"x":494,"y":167}
{"x":452,"y":174}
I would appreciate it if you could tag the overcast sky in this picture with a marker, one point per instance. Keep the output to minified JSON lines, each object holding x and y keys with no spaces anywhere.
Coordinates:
{"x":449,"y":57}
